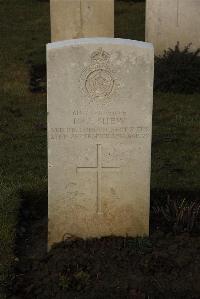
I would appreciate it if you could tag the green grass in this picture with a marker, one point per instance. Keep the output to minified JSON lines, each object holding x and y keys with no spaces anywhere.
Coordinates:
{"x":176,"y":142}
{"x":130,"y":20}
{"x":24,"y":33}
{"x":23,"y":152}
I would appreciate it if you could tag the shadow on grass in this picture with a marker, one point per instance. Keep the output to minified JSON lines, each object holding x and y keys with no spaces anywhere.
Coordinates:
{"x":31,"y":236}
{"x":32,"y":228}
{"x":38,"y":78}
{"x":109,"y":267}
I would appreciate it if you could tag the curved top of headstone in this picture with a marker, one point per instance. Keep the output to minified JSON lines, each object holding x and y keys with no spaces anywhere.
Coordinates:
{"x":99,"y":40}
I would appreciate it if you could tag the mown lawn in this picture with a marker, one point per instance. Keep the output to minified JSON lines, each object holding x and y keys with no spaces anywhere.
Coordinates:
{"x":25,"y":29}
{"x":24,"y":33}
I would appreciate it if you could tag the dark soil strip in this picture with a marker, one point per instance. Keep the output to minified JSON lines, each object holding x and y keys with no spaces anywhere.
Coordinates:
{"x":162,"y":266}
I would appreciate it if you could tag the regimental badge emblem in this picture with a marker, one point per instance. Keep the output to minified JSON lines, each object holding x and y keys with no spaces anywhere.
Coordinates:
{"x":97,"y":80}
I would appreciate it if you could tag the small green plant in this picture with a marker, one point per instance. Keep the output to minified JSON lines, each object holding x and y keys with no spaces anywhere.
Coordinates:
{"x":74,"y":281}
{"x":82,"y":279}
{"x":64,"y":282}
{"x":180,"y":215}
{"x":178,"y":71}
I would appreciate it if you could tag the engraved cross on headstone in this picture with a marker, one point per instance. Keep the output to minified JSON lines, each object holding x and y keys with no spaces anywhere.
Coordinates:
{"x":98,"y":169}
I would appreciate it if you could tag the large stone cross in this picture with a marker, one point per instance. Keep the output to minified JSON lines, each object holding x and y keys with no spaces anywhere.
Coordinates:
{"x":98,"y":169}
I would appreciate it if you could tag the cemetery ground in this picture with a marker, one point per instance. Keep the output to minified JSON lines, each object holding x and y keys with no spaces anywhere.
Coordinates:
{"x":166,"y":265}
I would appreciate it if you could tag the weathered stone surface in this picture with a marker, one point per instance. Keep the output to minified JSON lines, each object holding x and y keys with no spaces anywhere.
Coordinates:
{"x":81,"y":18}
{"x":170,"y":21}
{"x":99,"y":137}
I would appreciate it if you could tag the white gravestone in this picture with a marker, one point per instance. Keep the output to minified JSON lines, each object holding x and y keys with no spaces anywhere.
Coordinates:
{"x":81,"y":18}
{"x":100,"y":94}
{"x":172,"y":21}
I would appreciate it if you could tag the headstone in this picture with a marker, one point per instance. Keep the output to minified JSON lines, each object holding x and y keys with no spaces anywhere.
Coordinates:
{"x":172,"y":21}
{"x":99,"y":137}
{"x":81,"y":18}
